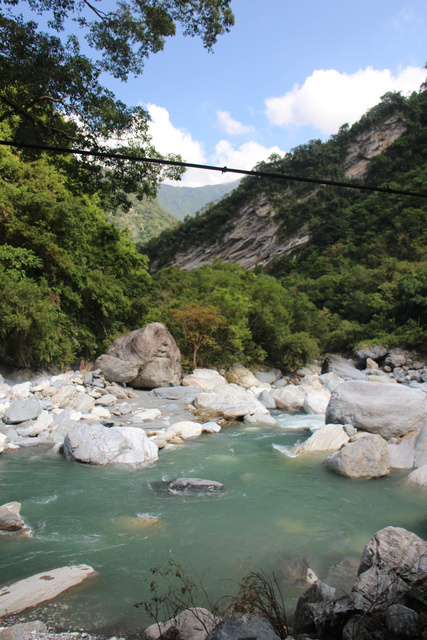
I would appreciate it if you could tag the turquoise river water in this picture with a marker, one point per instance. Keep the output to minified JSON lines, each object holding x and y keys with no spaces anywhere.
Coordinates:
{"x":275,"y":509}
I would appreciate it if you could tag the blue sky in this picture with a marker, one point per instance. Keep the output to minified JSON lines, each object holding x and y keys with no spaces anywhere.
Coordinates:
{"x":288,"y":71}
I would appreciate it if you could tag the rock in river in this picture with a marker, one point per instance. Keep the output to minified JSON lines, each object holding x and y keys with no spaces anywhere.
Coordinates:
{"x":366,"y":457}
{"x":97,"y":444}
{"x":389,"y":410}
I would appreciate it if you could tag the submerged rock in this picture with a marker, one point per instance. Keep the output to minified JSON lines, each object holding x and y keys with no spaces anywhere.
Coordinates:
{"x":189,"y":485}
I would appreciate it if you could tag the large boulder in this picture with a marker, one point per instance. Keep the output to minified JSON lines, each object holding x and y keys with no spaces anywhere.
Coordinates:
{"x":310,"y":607}
{"x":243,"y":625}
{"x":155,"y":352}
{"x":366,"y":457}
{"x":21,"y":410}
{"x":96,"y":444}
{"x":230,"y":401}
{"x":191,"y":624}
{"x":393,"y":562}
{"x":402,"y":453}
{"x":204,"y":379}
{"x":418,"y":477}
{"x":117,"y":370}
{"x":327,"y":438}
{"x":41,"y":587}
{"x":316,"y":402}
{"x":388,"y":410}
{"x":343,"y":368}
{"x":290,"y":398}
{"x":238,"y":374}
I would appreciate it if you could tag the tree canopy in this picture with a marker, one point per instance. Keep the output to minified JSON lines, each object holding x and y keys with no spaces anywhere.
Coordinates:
{"x":52,"y":92}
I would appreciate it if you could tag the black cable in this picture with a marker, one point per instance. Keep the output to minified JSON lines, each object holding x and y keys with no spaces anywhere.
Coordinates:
{"x":176,"y":163}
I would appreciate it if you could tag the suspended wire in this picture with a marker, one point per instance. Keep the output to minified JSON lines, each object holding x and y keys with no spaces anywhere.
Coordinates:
{"x":176,"y":163}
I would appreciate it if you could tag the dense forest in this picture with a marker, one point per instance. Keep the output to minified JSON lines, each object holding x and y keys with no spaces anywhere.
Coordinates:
{"x":71,"y":282}
{"x":364,"y":268}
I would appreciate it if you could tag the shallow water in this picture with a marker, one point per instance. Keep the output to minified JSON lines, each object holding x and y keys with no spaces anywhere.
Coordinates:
{"x":275,"y":508}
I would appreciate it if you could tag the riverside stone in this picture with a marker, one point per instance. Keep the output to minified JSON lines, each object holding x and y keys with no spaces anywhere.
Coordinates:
{"x":3,"y":442}
{"x":243,"y":625}
{"x":204,"y":379}
{"x":191,"y":624}
{"x":10,"y":518}
{"x":230,"y":401}
{"x":310,"y":605}
{"x":188,"y":429}
{"x":117,"y":370}
{"x":21,"y":410}
{"x":343,"y":368}
{"x":367,"y":457}
{"x":401,"y":621}
{"x":96,"y":444}
{"x":388,"y":410}
{"x":402,"y":453}
{"x":267,"y":399}
{"x":24,"y":631}
{"x":393,"y":561}
{"x":155,"y":352}
{"x":420,"y":448}
{"x":290,"y":398}
{"x":40,"y":588}
{"x":316,"y":402}
{"x":418,"y":477}
{"x":330,"y":436}
{"x":238,"y":374}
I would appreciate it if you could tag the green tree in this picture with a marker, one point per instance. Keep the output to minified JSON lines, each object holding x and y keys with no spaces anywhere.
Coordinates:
{"x":52,"y":92}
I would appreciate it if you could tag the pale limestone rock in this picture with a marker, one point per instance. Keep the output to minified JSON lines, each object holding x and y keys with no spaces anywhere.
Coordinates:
{"x":230,"y":401}
{"x":24,"y":631}
{"x":261,"y":418}
{"x":100,"y":412}
{"x":155,"y":352}
{"x":41,"y":587}
{"x":83,"y":402}
{"x":187,"y":429}
{"x":402,"y":454}
{"x":191,"y":624}
{"x":329,"y":437}
{"x":420,"y":448}
{"x":418,"y":477}
{"x":106,"y":400}
{"x":366,"y":457}
{"x":316,"y":402}
{"x":148,"y":414}
{"x":21,"y":410}
{"x":43,"y":422}
{"x":388,"y":410}
{"x":290,"y":398}
{"x":238,"y":374}
{"x":63,"y":396}
{"x":96,"y":444}
{"x":205,"y":379}
{"x":3,"y":442}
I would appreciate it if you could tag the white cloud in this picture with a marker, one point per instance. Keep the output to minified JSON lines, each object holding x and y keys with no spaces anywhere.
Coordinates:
{"x":328,"y":99}
{"x":169,"y":139}
{"x":244,"y":157}
{"x":231,"y":126}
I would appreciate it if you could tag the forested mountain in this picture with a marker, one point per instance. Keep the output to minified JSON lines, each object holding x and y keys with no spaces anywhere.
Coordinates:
{"x":359,"y":256}
{"x":186,"y":201}
{"x":144,"y":220}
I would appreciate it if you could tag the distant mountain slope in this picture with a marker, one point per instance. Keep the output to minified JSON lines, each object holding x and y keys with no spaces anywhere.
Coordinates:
{"x":185,"y":201}
{"x":277,"y":225}
{"x":145,"y":220}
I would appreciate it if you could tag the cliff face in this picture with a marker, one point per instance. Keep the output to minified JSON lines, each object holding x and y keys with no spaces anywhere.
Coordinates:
{"x":257,"y":229}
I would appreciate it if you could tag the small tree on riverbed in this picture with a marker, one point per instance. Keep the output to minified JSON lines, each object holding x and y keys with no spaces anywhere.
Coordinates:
{"x":199,"y":325}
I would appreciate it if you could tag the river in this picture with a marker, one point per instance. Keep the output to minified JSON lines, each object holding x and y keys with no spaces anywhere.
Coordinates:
{"x":275,"y":508}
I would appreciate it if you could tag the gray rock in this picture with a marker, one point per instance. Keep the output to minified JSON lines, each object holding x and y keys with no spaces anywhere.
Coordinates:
{"x":367,"y":457}
{"x":191,"y":624}
{"x":184,"y":394}
{"x":290,"y":398}
{"x":238,"y":374}
{"x":241,"y":626}
{"x":268,"y":377}
{"x":396,"y":358}
{"x":10,"y":518}
{"x":343,"y":368}
{"x":420,"y":448}
{"x":117,"y":370}
{"x":401,"y":621}
{"x":155,"y":351}
{"x":388,"y":410}
{"x":402,"y":453}
{"x":96,"y":444}
{"x":311,"y":606}
{"x":326,"y":438}
{"x":21,"y":410}
{"x":260,"y":418}
{"x":230,"y":401}
{"x":23,"y":631}
{"x":267,"y":400}
{"x":393,"y":561}
{"x":418,"y":477}
{"x":376,"y":353}
{"x":40,"y":588}
{"x":197,"y":485}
